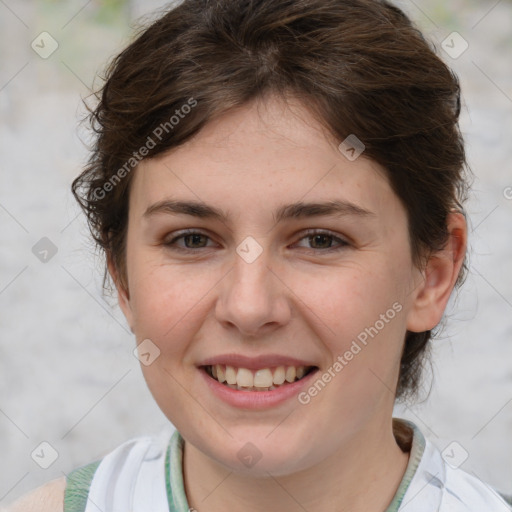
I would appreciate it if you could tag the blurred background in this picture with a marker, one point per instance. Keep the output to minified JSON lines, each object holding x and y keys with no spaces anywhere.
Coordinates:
{"x":68,"y":377}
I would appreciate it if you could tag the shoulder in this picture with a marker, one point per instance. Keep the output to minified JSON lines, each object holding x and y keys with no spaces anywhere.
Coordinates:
{"x":137,"y":465}
{"x":47,"y":498}
{"x":434,"y":481}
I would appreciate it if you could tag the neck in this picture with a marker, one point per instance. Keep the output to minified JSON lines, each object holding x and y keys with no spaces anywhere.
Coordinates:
{"x":362,"y":476}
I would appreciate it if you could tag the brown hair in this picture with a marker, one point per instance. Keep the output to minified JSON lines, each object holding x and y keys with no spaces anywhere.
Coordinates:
{"x":359,"y":65}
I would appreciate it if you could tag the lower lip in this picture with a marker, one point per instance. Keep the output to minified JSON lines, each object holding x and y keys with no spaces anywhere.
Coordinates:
{"x":257,"y":399}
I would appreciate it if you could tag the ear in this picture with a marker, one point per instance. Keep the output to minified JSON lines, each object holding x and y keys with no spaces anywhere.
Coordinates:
{"x":431,"y":295}
{"x":123,"y":295}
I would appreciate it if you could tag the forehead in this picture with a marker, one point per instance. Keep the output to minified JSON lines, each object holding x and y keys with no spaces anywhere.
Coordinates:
{"x":257,"y":156}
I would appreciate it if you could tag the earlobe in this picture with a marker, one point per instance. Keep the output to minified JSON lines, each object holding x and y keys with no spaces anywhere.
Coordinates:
{"x":123,"y":295}
{"x":439,"y":277}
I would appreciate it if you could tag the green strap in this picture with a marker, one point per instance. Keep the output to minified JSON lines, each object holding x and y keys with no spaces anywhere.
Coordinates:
{"x":168,"y":486}
{"x":174,"y":475}
{"x":416,"y":454}
{"x":77,"y":487}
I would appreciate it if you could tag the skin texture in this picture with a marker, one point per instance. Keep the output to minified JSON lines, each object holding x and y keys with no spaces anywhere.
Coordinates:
{"x":47,"y":498}
{"x":338,"y":452}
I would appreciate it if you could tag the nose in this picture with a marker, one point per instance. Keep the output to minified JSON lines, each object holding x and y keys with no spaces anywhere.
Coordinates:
{"x":253,"y":297}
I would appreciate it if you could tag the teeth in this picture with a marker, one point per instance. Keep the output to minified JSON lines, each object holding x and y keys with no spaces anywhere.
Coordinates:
{"x":290,"y":374}
{"x":279,"y":375}
{"x":221,"y":374}
{"x":244,"y":378}
{"x":263,"y":378}
{"x":230,"y":375}
{"x":260,"y":380}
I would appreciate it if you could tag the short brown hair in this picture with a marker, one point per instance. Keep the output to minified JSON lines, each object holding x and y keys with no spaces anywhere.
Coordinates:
{"x":359,"y":65}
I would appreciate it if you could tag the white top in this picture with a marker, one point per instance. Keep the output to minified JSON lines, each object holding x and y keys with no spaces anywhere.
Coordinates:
{"x":145,"y":474}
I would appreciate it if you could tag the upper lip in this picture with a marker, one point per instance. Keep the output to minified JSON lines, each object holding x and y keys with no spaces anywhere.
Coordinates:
{"x":254,"y":363}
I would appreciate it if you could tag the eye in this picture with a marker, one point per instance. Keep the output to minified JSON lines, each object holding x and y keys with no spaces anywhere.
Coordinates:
{"x":192,"y":239}
{"x":322,"y":241}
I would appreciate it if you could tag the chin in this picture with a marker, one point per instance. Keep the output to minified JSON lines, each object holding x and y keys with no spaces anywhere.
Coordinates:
{"x":252,"y":451}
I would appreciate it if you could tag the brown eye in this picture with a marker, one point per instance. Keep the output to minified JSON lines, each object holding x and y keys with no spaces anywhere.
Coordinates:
{"x":191,"y":240}
{"x":194,"y":240}
{"x":323,"y":241}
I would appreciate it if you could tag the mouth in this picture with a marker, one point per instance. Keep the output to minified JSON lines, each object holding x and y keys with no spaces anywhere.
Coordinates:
{"x":264,"y":379}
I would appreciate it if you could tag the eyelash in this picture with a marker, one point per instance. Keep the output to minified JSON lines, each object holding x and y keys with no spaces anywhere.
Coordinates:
{"x":309,"y":233}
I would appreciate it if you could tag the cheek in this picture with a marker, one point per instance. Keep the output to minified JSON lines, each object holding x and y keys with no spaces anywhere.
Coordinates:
{"x":347,"y":299}
{"x":161,"y":298}
{"x":170,"y":305}
{"x":167,"y":302}
{"x":358,"y":315}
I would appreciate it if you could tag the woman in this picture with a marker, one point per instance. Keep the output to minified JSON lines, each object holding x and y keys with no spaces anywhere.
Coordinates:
{"x":278,"y":187}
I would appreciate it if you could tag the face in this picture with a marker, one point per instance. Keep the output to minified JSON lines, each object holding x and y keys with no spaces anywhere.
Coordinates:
{"x":325,"y":288}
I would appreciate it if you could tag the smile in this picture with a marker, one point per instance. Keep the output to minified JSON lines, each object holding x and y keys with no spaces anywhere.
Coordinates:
{"x":264,"y":379}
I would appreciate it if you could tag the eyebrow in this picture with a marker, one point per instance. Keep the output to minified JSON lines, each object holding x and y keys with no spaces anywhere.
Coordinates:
{"x":298,"y":210}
